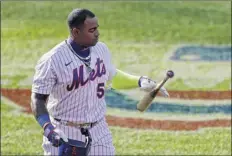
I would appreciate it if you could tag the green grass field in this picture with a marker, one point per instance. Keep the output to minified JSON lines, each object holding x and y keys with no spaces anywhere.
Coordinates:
{"x":138,"y":34}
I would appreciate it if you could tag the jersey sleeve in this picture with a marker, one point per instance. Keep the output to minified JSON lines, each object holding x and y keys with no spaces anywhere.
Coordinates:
{"x":45,"y":77}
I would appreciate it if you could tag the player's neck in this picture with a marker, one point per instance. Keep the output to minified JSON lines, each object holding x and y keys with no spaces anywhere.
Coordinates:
{"x":77,"y":46}
{"x":80,"y":50}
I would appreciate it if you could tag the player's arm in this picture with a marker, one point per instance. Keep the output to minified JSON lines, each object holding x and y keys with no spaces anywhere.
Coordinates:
{"x":123,"y":80}
{"x":38,"y":107}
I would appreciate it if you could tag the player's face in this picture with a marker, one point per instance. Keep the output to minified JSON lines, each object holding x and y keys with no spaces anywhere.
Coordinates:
{"x":89,"y":33}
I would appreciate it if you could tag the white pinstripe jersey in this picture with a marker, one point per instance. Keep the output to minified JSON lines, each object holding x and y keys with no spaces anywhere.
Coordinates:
{"x":75,"y":94}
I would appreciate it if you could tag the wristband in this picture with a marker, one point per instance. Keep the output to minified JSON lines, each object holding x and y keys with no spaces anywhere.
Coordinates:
{"x":43,"y":119}
{"x":48,"y":130}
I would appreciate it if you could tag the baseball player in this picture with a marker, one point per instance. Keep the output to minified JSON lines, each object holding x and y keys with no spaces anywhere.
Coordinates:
{"x":68,"y":90}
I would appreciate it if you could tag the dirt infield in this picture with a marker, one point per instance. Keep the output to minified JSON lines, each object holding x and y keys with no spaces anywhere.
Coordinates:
{"x":22,"y":97}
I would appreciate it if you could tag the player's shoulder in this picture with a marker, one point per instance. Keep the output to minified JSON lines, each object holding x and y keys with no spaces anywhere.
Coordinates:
{"x":49,"y":55}
{"x":102,"y":44}
{"x":60,"y":47}
{"x":102,"y":47}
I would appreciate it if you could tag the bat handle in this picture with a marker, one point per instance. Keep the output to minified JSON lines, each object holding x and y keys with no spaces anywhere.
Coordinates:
{"x":156,"y":90}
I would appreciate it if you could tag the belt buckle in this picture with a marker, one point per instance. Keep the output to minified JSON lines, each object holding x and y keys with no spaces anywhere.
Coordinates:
{"x":63,"y":122}
{"x":85,"y":125}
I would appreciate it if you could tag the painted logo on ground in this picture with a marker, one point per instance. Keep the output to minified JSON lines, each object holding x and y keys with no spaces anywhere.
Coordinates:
{"x":200,"y":66}
{"x":202,"y":53}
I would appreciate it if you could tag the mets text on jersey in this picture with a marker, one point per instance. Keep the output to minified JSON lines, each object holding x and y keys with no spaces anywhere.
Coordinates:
{"x":78,"y":75}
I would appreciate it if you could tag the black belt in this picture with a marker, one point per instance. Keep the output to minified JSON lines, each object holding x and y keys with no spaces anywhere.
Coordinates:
{"x":75,"y":124}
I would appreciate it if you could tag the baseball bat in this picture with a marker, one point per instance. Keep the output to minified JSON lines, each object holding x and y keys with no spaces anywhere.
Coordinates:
{"x":147,"y":99}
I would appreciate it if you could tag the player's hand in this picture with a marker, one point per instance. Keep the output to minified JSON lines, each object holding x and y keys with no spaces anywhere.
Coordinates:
{"x":147,"y":85}
{"x":54,"y":135}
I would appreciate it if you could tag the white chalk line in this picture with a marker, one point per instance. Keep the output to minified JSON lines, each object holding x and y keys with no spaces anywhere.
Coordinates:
{"x":16,"y":107}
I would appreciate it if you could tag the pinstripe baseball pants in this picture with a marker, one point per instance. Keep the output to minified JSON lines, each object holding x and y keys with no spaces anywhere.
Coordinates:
{"x":101,"y":139}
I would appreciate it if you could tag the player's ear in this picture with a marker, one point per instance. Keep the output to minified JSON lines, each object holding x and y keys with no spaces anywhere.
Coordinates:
{"x":75,"y":32}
